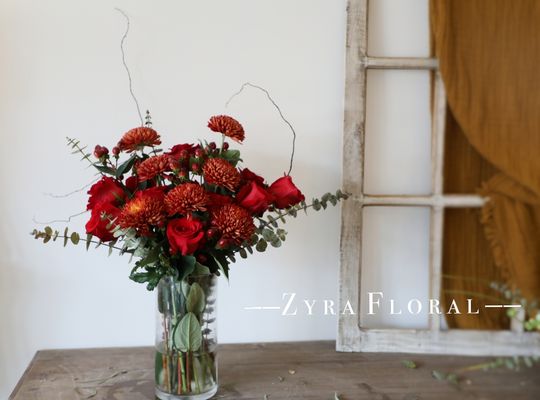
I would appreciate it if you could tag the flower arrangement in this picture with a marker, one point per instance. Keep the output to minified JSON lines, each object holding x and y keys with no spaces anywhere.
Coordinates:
{"x":186,"y":211}
{"x":184,"y":214}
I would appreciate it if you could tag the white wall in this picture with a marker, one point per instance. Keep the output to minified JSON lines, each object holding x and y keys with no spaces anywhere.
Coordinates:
{"x":61,"y":75}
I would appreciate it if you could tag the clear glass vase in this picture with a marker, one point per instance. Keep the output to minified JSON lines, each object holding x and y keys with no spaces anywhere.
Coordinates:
{"x":186,"y":339}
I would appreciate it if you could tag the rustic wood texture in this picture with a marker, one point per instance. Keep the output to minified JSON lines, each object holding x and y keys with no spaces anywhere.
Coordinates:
{"x":308,"y":371}
{"x":352,"y":336}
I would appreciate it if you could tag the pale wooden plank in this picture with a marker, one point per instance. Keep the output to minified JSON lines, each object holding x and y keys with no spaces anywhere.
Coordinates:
{"x":251,"y":371}
{"x":451,"y":201}
{"x":353,"y":170}
{"x":416,"y":63}
{"x":437,"y":211}
{"x":454,"y":341}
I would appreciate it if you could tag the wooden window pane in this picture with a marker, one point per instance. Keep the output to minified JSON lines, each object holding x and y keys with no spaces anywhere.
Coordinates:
{"x":395,"y":261}
{"x":394,"y":29}
{"x":398,"y":133}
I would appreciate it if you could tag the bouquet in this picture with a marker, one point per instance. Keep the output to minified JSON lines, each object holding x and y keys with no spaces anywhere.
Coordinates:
{"x":185,"y":215}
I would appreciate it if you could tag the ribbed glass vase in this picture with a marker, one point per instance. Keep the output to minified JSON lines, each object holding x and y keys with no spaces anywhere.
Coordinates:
{"x":186,"y":339}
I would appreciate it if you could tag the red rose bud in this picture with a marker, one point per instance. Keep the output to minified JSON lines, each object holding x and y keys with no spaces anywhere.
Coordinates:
{"x":202,"y":258}
{"x":195,"y":167}
{"x":131,"y":183}
{"x":199,"y":153}
{"x":116,"y":151}
{"x":222,"y":243}
{"x":285,"y":193}
{"x":97,"y":225}
{"x":100,"y":151}
{"x":184,"y":154}
{"x":211,"y":233}
{"x":185,"y":235}
{"x":183,"y":173}
{"x":212,"y":145}
{"x":181,"y":150}
{"x":254,"y":198}
{"x":225,"y":146}
{"x":174,"y":164}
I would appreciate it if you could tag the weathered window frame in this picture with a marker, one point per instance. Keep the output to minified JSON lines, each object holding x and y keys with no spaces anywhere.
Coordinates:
{"x":351,"y":335}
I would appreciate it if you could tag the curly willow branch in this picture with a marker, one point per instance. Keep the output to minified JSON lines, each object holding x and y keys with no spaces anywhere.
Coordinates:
{"x":64,"y":195}
{"x":277,"y":108}
{"x":126,"y":66}
{"x":54,"y":221}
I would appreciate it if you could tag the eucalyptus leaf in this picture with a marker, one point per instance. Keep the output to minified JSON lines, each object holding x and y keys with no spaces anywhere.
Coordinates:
{"x":440,"y":376}
{"x":409,"y":364}
{"x":88,"y":240}
{"x":151,"y":257}
{"x":66,"y":237}
{"x":242,"y":253}
{"x":188,"y":335}
{"x":261,"y":245}
{"x":75,"y":238}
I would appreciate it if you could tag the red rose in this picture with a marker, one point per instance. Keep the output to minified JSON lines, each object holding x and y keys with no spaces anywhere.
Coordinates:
{"x":132,"y":183}
{"x":178,"y":150}
{"x":97,"y":225}
{"x":185,"y":235}
{"x":254,"y":198}
{"x":216,"y":200}
{"x":249,"y":176}
{"x":285,"y":193}
{"x":107,"y":190}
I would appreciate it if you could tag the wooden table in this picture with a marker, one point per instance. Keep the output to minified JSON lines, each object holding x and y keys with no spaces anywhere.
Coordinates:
{"x":310,"y":370}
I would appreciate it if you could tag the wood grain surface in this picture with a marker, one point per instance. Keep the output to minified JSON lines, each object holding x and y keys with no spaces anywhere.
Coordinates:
{"x":304,"y":370}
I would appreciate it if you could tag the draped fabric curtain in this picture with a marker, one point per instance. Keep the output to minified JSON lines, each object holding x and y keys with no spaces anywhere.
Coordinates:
{"x":489,"y":55}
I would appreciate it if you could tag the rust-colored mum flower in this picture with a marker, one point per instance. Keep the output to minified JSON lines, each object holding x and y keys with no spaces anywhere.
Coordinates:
{"x":145,"y":210}
{"x":137,"y":138}
{"x":227,"y":126}
{"x":234,"y":223}
{"x":153,"y":166}
{"x":220,"y":172}
{"x":186,"y":198}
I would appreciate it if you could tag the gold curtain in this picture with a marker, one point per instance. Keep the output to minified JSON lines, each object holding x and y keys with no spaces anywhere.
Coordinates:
{"x":489,"y":55}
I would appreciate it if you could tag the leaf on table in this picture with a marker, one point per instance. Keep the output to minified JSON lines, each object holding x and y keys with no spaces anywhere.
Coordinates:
{"x":440,"y":376}
{"x":409,"y":364}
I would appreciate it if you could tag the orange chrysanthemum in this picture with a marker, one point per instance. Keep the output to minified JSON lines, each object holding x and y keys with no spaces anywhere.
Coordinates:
{"x":186,"y":198}
{"x":234,"y":223}
{"x":227,"y":126}
{"x":153,"y":166}
{"x":220,"y":172}
{"x":137,"y":138}
{"x":145,"y":210}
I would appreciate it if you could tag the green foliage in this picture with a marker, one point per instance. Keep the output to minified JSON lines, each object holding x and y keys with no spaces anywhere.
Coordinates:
{"x":232,"y":156}
{"x":125,"y":166}
{"x":188,"y":335}
{"x":201,"y":270}
{"x":408,"y":364}
{"x":442,"y":376}
{"x":152,"y":252}
{"x":221,"y":262}
{"x":511,"y":363}
{"x":196,"y":299}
